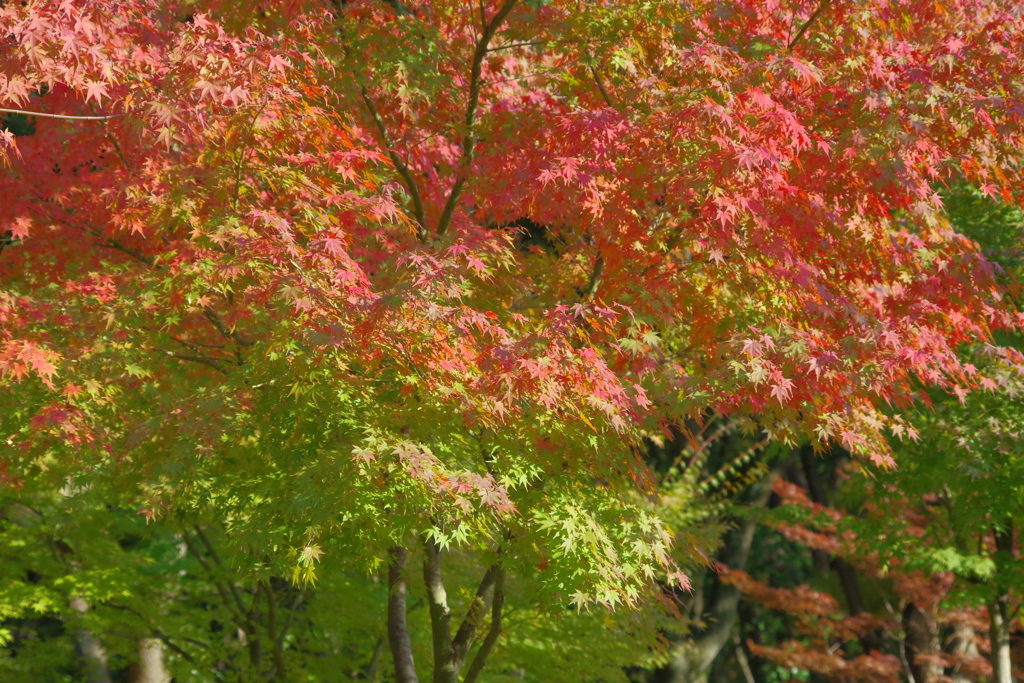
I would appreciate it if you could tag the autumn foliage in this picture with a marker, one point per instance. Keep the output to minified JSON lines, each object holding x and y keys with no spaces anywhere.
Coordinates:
{"x":926,"y":601}
{"x":442,"y":265}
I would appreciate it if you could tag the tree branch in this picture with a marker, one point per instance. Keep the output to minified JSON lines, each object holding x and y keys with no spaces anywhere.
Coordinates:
{"x":194,"y":345}
{"x":158,"y":633}
{"x":808,"y":23}
{"x":475,"y":613}
{"x":595,"y":279}
{"x":691,"y":658}
{"x":372,"y":668}
{"x":469,"y":140}
{"x":291,"y":613}
{"x":205,"y":360}
{"x":403,"y":170}
{"x":239,"y":617}
{"x":276,"y":640}
{"x":226,"y":331}
{"x":741,"y":659}
{"x":216,"y":558}
{"x":241,"y":155}
{"x":497,"y":604}
{"x":846,"y":573}
{"x":112,"y":243}
{"x":600,"y":86}
{"x":107,"y":242}
{"x":398,"y":629}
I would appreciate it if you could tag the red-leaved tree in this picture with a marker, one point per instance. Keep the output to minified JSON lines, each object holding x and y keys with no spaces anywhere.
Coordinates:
{"x":440,"y":265}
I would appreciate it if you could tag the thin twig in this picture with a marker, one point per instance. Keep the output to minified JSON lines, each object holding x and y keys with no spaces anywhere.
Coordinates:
{"x":242,"y":153}
{"x":195,"y":345}
{"x":107,"y":242}
{"x":159,"y":634}
{"x":204,"y":360}
{"x":112,"y":243}
{"x":226,"y":331}
{"x":291,"y":612}
{"x":66,"y":117}
{"x":741,"y":657}
{"x":512,"y":46}
{"x":239,"y":617}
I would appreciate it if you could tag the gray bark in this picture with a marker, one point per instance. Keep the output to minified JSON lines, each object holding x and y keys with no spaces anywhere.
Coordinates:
{"x":90,"y":648}
{"x":450,"y":652}
{"x":998,"y":613}
{"x":493,"y":632}
{"x":921,"y":637}
{"x":963,"y":644}
{"x":151,"y":662}
{"x":999,"y":637}
{"x":398,"y":629}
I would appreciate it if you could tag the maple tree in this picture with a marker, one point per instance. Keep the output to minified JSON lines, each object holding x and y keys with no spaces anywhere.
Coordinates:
{"x":406,"y":281}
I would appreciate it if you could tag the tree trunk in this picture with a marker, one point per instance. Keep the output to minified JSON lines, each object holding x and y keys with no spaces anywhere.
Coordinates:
{"x":691,"y":662}
{"x":151,"y":662}
{"x":963,"y":645}
{"x":398,"y":629}
{"x":921,"y":639}
{"x":998,"y":614}
{"x":999,"y":637}
{"x":91,"y":648}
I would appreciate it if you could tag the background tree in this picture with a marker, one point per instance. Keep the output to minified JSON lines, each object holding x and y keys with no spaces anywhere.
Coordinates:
{"x":909,"y":574}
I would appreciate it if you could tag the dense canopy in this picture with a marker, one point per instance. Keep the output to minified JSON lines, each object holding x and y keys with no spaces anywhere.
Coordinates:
{"x":369,"y":277}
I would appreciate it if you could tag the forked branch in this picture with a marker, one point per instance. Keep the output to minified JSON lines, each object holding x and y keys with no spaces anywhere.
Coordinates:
{"x":216,"y":558}
{"x":403,"y":169}
{"x":475,"y":614}
{"x":469,"y":140}
{"x":450,"y":652}
{"x":231,"y":601}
